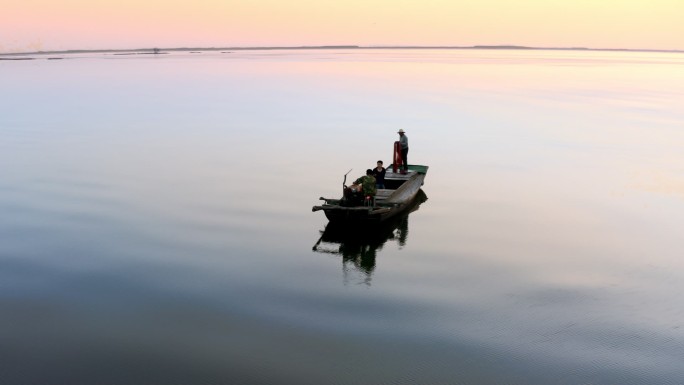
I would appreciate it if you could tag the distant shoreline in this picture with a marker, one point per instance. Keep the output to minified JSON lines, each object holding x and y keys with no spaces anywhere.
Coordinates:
{"x":324,"y":47}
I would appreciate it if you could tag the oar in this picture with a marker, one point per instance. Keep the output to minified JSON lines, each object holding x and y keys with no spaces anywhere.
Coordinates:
{"x":344,"y":182}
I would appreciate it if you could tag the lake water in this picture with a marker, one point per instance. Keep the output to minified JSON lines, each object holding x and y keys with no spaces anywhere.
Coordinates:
{"x":156,"y":224}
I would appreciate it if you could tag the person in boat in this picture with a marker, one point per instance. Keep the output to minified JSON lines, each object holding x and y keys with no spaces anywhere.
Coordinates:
{"x":361,"y":188}
{"x":379,"y":174}
{"x":403,"y":141}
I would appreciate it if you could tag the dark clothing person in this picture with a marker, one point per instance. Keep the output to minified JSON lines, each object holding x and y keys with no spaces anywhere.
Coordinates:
{"x":379,"y":174}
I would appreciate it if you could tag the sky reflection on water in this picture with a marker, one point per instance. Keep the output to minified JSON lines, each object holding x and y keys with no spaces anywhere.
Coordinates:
{"x":155,"y":219}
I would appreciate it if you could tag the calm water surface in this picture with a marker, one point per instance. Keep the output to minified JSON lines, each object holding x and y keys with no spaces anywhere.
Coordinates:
{"x":156,"y":224}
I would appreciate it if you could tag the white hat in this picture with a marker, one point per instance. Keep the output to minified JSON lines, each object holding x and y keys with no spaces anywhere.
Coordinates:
{"x":401,"y":131}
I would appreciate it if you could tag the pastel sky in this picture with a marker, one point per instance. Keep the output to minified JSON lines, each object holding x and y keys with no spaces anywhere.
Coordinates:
{"x":30,"y":25}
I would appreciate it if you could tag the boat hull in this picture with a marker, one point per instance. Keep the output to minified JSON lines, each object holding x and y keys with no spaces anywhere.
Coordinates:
{"x":389,"y":206}
{"x":370,"y":216}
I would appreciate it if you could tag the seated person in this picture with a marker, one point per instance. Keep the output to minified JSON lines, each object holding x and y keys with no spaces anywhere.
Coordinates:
{"x":362,"y":187}
{"x":379,"y":174}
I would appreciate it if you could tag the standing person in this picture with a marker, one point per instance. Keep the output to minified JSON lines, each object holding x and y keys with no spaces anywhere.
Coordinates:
{"x":403,"y":140}
{"x":379,"y":174}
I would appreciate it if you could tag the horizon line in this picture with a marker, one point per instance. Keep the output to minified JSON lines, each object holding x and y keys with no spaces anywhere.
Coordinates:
{"x":256,"y":48}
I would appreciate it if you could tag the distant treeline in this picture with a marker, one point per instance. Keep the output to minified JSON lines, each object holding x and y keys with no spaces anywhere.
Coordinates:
{"x":195,"y":49}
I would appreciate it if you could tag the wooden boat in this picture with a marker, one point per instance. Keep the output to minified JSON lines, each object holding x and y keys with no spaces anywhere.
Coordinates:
{"x":401,"y":190}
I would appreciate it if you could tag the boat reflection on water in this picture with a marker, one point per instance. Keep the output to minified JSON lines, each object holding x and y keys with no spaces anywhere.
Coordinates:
{"x":359,"y":246}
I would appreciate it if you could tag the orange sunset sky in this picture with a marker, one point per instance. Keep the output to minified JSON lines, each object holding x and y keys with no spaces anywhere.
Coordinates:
{"x":33,"y":25}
